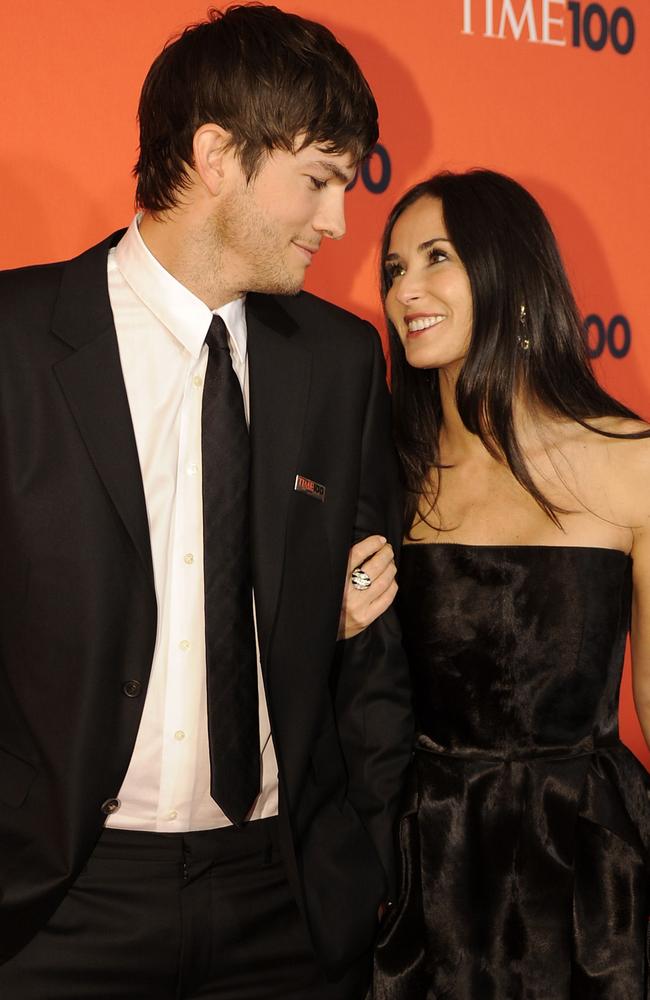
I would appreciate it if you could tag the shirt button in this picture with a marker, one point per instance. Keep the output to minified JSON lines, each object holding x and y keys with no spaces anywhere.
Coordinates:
{"x":184,"y":644}
{"x":132,"y":688}
{"x":110,"y":806}
{"x":198,"y":381}
{"x":179,"y":735}
{"x":188,"y":558}
{"x":192,"y":469}
{"x":172,"y":815}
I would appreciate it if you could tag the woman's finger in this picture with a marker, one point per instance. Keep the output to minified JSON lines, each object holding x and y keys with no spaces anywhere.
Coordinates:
{"x":381,"y":561}
{"x":365,"y":549}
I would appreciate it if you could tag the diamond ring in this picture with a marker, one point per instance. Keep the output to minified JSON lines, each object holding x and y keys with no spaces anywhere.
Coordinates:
{"x":360,"y":579}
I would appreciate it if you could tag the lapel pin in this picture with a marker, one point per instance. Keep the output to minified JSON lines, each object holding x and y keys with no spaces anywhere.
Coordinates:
{"x":308,"y":486}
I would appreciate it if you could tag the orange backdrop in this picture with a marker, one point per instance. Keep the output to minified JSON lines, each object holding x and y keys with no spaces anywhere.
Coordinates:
{"x":554,"y":92}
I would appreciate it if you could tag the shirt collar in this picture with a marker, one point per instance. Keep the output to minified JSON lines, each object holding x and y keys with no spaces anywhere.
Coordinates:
{"x":234,"y":316}
{"x":174,"y":305}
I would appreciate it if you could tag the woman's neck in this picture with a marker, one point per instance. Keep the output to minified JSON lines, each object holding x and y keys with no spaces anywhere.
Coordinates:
{"x":535,"y":429}
{"x":457,"y":443}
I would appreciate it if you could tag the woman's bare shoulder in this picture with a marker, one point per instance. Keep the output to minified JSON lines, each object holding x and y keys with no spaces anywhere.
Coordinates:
{"x":624,"y":464}
{"x":620,"y":425}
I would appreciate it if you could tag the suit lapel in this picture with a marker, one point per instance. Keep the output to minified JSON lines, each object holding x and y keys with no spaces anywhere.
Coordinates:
{"x":93,"y":385}
{"x":279,"y":376}
{"x":92,"y":382}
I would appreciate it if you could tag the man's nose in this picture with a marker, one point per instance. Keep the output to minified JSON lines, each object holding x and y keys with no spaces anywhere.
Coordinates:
{"x":330,"y":220}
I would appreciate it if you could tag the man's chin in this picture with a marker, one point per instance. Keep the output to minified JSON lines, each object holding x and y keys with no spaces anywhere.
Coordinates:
{"x":288,"y":287}
{"x":290,"y":281}
{"x":294,"y":283}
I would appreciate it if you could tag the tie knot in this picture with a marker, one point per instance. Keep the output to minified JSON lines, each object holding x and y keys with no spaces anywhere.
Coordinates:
{"x":217,"y":335}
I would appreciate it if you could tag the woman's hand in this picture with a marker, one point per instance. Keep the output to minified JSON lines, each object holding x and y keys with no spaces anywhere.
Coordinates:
{"x":361,"y":607}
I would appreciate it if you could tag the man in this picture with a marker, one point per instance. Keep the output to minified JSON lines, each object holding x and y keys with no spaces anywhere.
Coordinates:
{"x":197,"y":782}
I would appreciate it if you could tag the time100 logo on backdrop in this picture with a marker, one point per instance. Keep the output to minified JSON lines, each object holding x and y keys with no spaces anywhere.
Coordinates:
{"x":551,"y":22}
{"x":612,"y":336}
{"x":375,"y":172}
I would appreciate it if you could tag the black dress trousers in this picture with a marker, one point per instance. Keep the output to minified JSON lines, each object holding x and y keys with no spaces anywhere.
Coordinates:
{"x":158,"y":916}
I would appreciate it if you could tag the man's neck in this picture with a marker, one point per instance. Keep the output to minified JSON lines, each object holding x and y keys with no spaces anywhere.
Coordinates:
{"x":182,"y":244}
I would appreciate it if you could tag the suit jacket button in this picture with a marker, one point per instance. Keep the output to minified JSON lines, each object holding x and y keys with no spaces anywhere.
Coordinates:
{"x":132,"y":688}
{"x":110,"y":806}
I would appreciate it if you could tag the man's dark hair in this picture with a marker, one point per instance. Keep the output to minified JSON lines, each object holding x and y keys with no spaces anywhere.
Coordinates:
{"x":266,"y":77}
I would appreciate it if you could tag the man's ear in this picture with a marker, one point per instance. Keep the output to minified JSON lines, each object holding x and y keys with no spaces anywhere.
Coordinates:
{"x":210,"y":147}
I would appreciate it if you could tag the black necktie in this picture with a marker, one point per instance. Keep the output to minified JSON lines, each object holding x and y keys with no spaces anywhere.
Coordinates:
{"x":231,"y":659}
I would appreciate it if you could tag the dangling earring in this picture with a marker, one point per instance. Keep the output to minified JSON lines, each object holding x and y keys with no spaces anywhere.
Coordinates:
{"x":523,"y":342}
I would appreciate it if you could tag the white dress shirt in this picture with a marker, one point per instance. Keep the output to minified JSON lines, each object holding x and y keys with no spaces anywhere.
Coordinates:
{"x":161,"y":328}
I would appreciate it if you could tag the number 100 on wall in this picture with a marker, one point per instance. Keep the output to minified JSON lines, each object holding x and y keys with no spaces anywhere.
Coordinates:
{"x":551,"y":22}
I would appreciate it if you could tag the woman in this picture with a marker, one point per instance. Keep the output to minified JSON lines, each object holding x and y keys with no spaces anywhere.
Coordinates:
{"x":525,"y":837}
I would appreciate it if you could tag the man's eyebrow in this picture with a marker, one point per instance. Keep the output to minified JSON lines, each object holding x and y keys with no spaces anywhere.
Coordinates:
{"x":333,"y":170}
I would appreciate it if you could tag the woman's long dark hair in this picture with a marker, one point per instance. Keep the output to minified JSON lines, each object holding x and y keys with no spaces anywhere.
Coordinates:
{"x":512,"y":259}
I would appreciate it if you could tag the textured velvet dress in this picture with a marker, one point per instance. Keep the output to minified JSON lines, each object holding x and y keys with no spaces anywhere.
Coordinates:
{"x":525,"y":835}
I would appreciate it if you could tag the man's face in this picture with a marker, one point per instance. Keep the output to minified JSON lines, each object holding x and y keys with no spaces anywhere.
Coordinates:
{"x":269,"y":230}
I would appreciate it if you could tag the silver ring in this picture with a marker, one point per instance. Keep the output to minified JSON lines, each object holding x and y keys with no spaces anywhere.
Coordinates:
{"x":360,"y":579}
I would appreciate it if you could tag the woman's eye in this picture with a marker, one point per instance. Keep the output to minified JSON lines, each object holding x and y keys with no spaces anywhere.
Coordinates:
{"x":394,"y":270}
{"x":435,"y":256}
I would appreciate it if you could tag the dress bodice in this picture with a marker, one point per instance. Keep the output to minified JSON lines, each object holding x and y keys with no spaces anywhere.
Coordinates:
{"x":515,"y":650}
{"x":525,"y":831}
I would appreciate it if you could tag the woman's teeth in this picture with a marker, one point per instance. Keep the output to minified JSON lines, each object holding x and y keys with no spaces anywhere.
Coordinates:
{"x":423,"y":323}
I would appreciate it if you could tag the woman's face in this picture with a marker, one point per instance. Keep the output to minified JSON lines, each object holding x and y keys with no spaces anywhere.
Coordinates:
{"x":429,"y":300}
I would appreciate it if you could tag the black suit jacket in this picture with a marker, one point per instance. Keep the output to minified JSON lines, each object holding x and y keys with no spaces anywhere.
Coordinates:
{"x":78,"y":609}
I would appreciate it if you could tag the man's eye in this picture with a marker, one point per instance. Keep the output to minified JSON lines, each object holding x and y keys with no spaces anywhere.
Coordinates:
{"x":318,"y":184}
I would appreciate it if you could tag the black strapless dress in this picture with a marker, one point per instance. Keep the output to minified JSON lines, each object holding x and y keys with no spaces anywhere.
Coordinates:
{"x":525,"y":836}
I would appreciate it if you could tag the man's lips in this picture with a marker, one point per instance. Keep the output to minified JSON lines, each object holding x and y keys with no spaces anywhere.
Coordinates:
{"x":307,"y":249}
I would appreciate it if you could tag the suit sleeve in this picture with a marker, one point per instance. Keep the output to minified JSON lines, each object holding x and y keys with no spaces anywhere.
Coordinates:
{"x":373,"y":704}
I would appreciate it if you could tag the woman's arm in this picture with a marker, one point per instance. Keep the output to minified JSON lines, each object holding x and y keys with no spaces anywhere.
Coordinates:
{"x":641,"y":627}
{"x":633,"y":480}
